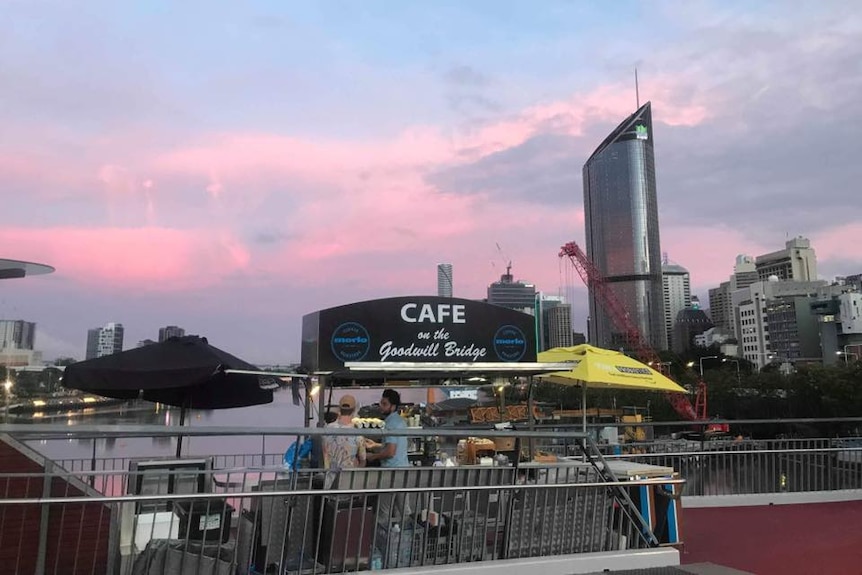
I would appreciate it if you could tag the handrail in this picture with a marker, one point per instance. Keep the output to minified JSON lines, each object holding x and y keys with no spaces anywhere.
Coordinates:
{"x":162,"y":431}
{"x":699,"y":422}
{"x":736,"y":451}
{"x":329,"y":492}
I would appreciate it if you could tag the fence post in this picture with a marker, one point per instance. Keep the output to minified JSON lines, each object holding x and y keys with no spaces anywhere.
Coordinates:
{"x":93,"y":465}
{"x":47,"y":482}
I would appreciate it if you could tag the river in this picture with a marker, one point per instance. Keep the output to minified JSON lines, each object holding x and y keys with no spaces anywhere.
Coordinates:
{"x":281,"y":412}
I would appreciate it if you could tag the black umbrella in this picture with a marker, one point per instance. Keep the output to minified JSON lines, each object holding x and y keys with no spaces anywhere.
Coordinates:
{"x":186,"y":372}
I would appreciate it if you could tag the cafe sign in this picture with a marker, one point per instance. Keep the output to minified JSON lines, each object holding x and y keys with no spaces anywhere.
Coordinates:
{"x":416,"y":329}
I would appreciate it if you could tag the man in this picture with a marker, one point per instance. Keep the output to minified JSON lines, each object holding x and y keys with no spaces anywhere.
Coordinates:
{"x":393,"y":451}
{"x":344,"y":451}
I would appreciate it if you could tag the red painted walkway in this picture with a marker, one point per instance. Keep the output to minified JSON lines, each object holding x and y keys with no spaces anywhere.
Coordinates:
{"x":777,"y":539}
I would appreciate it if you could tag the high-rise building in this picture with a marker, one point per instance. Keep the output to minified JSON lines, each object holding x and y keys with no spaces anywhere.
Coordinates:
{"x":839,"y":317}
{"x":720,"y":307}
{"x":554,"y":317}
{"x":17,"y":338}
{"x":775,"y":321}
{"x":102,"y":341}
{"x":17,"y":334}
{"x":796,"y":262}
{"x":744,"y":272}
{"x":444,"y":280}
{"x":621,"y":217}
{"x":676,"y":288}
{"x":720,"y":302}
{"x":93,"y":343}
{"x":558,"y":320}
{"x":513,"y":294}
{"x":111,"y":339}
{"x":169,"y":332}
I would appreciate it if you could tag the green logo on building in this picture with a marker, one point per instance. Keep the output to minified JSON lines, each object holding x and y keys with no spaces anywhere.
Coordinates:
{"x":641,"y":132}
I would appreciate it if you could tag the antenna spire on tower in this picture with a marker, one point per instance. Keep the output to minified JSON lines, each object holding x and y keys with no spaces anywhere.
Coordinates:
{"x":637,"y":92}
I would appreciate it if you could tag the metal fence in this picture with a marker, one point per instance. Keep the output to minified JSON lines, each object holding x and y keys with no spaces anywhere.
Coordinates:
{"x":204,"y":515}
{"x":741,"y":466}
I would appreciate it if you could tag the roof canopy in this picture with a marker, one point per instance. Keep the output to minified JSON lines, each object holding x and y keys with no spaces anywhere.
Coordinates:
{"x":10,"y":269}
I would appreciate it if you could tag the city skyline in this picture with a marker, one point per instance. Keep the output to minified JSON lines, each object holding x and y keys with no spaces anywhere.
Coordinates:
{"x":174,"y":177}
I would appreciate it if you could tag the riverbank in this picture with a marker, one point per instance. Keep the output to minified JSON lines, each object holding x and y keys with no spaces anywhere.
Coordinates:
{"x":62,"y":404}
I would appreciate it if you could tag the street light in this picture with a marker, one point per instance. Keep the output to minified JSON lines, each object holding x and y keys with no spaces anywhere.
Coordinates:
{"x":701,"y":363}
{"x":736,"y":361}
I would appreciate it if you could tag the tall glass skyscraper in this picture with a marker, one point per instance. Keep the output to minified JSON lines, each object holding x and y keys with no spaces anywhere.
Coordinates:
{"x":621,"y":213}
{"x":444,"y":280}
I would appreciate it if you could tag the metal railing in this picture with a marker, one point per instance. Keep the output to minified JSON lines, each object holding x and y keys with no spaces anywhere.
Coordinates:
{"x":98,"y":516}
{"x":728,"y":465}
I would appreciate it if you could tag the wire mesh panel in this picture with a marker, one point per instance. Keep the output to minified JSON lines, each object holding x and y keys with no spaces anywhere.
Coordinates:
{"x":177,"y":557}
{"x":556,"y":521}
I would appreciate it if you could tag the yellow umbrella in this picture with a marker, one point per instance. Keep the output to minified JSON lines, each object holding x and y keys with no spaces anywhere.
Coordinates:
{"x":597,"y":367}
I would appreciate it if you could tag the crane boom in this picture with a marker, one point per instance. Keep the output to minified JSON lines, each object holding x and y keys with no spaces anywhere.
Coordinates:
{"x":618,"y":314}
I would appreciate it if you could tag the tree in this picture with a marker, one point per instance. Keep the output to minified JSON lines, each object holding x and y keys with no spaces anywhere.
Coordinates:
{"x":27,"y":383}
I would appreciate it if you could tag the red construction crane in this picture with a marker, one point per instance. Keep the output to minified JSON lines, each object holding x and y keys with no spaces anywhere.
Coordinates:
{"x":618,"y":314}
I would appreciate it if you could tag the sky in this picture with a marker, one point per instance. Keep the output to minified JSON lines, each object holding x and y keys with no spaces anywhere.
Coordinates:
{"x":229,"y":167}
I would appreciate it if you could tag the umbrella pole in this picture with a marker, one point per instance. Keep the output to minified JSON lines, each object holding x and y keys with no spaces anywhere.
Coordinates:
{"x":531,"y":419}
{"x":321,"y":405}
{"x":317,"y":445}
{"x":306,"y":408}
{"x":180,"y":436}
{"x":584,"y":416}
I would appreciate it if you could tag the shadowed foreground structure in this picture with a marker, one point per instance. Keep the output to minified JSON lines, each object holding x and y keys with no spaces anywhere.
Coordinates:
{"x":777,"y":539}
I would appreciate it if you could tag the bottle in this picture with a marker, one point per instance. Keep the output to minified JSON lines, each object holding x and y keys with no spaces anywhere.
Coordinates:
{"x":461,"y":451}
{"x":376,"y":560}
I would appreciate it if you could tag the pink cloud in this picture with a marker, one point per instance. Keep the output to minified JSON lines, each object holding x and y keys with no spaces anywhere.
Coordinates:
{"x":352,"y":184}
{"x":838,"y":243}
{"x":604,"y":103}
{"x":242,"y":155}
{"x":136,"y":259}
{"x":708,"y":253}
{"x":346,"y":199}
{"x":45,"y":176}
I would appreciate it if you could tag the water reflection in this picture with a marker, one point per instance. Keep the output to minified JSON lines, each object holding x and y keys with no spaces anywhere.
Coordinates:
{"x":281,"y":412}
